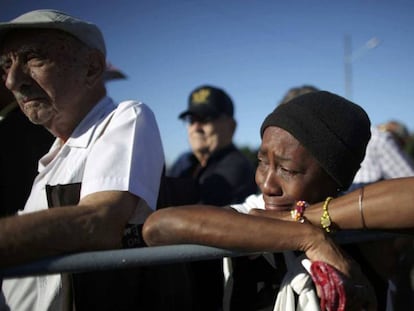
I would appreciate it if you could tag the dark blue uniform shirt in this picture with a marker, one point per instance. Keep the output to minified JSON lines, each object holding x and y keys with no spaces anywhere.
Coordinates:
{"x":227,"y":178}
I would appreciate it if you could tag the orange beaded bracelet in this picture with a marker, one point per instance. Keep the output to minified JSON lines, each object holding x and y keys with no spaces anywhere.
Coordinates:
{"x":299,"y":210}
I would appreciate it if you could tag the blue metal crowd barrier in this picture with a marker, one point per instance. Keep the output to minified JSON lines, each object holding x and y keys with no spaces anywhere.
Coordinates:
{"x":146,"y":256}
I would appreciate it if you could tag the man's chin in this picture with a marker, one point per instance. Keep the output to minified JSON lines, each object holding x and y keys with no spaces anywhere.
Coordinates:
{"x":200,"y":148}
{"x":39,"y":119}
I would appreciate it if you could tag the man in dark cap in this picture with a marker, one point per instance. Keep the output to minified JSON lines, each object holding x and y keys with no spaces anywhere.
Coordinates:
{"x":311,"y":149}
{"x":224,"y":175}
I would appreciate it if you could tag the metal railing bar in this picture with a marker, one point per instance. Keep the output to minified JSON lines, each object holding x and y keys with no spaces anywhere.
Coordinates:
{"x":149,"y":256}
{"x":118,"y":259}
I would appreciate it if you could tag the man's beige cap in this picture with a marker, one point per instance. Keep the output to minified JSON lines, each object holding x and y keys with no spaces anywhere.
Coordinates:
{"x":85,"y":31}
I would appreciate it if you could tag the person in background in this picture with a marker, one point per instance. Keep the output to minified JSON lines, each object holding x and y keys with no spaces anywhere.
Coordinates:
{"x":295,"y":168}
{"x":223,"y":174}
{"x":100,"y":177}
{"x":398,"y":130}
{"x":297,"y":91}
{"x":386,"y":158}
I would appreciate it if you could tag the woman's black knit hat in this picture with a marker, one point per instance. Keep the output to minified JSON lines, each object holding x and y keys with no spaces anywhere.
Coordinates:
{"x":333,"y":129}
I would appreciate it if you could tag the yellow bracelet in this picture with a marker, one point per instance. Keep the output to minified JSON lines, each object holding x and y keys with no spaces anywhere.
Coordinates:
{"x":325,"y":218}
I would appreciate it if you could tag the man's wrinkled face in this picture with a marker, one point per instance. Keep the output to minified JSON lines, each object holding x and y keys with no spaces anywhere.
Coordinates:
{"x":207,"y":136}
{"x":287,"y":172}
{"x":44,"y":71}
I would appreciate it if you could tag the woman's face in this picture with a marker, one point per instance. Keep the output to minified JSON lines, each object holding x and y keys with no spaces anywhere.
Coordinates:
{"x":287,"y":172}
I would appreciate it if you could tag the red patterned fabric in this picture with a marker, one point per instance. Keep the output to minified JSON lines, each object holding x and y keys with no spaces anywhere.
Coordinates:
{"x":331,"y":286}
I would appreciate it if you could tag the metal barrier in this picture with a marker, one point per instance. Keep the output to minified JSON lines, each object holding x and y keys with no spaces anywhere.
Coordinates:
{"x":146,"y":256}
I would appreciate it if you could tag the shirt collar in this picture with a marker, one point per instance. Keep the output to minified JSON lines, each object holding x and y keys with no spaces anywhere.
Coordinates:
{"x":221,"y":152}
{"x":83,"y":133}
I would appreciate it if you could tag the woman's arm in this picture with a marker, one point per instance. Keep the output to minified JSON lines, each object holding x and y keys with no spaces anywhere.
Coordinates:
{"x":224,"y":228}
{"x":387,"y":204}
{"x":220,"y":227}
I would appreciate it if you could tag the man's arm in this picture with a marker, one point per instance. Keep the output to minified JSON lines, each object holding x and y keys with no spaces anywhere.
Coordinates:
{"x":96,"y":223}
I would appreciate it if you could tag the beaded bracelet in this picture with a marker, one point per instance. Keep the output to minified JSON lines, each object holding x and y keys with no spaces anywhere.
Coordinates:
{"x":325,"y":218}
{"x":297,"y":212}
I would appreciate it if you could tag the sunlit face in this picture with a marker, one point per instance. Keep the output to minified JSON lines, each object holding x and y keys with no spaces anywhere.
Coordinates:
{"x":211,"y":135}
{"x":287,"y":172}
{"x":45,"y":71}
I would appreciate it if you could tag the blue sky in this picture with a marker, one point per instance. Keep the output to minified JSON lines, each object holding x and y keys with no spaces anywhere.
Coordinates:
{"x":255,"y":50}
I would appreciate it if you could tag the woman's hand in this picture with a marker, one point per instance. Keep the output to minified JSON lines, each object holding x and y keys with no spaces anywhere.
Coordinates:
{"x":334,"y":272}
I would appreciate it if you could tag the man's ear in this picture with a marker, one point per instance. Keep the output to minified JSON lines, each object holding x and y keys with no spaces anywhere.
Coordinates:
{"x":96,"y":67}
{"x":233,"y":123}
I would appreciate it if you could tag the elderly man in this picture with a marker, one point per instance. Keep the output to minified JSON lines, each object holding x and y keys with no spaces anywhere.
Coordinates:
{"x":224,"y":174}
{"x":54,"y":65}
{"x":21,"y":151}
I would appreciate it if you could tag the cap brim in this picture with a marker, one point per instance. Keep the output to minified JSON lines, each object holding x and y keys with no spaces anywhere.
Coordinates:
{"x":6,"y":27}
{"x":183,"y":114}
{"x":200,"y":111}
{"x":74,"y":30}
{"x":113,"y":75}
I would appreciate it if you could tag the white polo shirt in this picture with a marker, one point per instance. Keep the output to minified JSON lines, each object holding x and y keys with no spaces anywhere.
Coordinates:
{"x":115,"y":147}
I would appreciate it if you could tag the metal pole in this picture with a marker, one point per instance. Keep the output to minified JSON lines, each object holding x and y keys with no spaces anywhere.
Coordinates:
{"x":348,"y":66}
{"x":149,"y":256}
{"x":350,"y":56}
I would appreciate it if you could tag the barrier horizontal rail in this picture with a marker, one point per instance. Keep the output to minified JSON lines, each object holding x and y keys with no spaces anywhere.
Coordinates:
{"x":149,"y":256}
